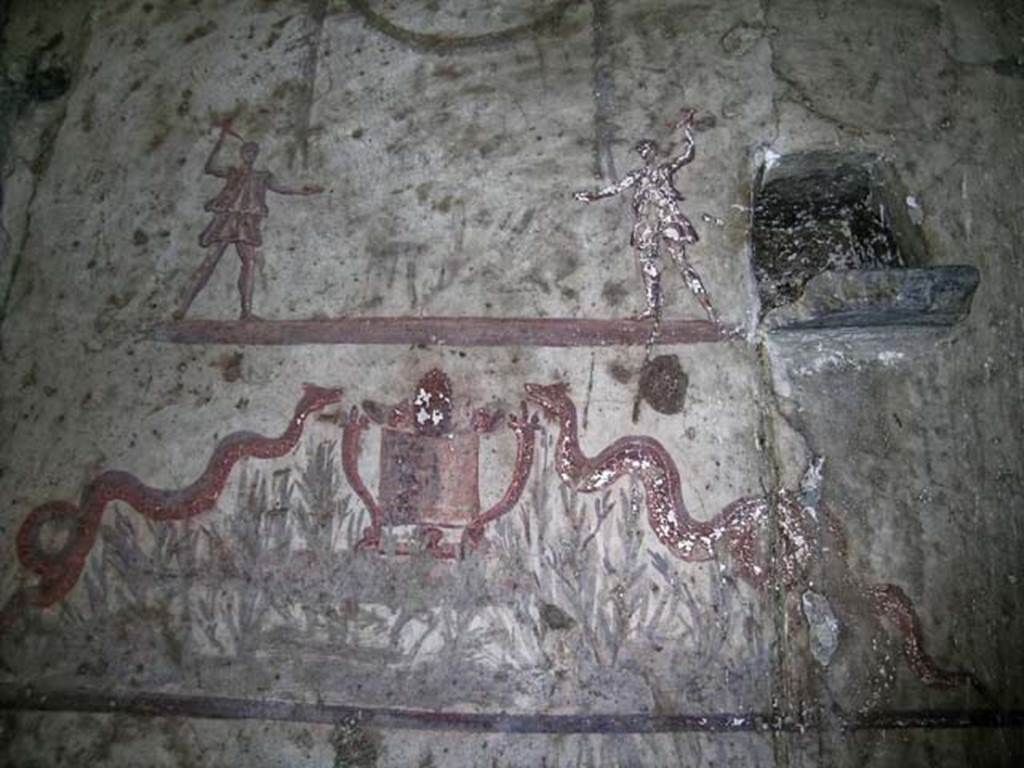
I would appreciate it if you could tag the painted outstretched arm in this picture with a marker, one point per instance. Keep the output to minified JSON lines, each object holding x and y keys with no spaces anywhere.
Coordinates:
{"x":685,"y":155}
{"x":625,"y":182}
{"x":485,"y":420}
{"x":308,"y":189}
{"x":524,"y":427}
{"x":350,"y":448}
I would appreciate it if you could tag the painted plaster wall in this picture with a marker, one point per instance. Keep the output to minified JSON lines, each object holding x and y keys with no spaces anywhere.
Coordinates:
{"x":448,"y":155}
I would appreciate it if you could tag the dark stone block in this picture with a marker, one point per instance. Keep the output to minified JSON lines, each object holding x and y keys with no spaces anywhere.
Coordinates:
{"x":663,"y":384}
{"x":834,"y":245}
{"x":877,"y":297}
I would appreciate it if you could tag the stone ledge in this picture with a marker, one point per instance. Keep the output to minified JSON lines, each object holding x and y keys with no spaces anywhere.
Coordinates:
{"x":930,"y":296}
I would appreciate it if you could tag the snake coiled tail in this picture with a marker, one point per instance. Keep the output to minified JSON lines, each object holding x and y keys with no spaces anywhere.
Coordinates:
{"x":892,"y":603}
{"x":59,"y":570}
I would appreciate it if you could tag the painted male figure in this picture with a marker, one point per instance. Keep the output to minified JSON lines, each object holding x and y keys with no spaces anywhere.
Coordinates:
{"x":660,"y":223}
{"x":238,"y":213}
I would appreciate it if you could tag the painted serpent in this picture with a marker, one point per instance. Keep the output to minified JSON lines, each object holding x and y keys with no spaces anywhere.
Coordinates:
{"x":739,"y":526}
{"x":59,"y":570}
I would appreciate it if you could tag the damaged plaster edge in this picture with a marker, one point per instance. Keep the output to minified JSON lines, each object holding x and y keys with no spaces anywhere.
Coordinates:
{"x":775,"y":458}
{"x":784,"y":699}
{"x":814,"y":351}
{"x":758,"y":160}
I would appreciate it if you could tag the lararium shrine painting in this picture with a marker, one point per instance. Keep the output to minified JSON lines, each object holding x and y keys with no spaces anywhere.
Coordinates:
{"x":532,"y":383}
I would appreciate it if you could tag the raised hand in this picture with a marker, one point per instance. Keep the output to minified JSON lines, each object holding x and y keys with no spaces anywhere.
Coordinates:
{"x":686,"y":118}
{"x":524,"y":422}
{"x":227,"y":128}
{"x":484,"y":420}
{"x":357,"y":419}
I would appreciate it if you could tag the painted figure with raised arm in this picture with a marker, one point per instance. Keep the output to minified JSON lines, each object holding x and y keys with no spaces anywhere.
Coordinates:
{"x":660,"y":223}
{"x":238,"y":213}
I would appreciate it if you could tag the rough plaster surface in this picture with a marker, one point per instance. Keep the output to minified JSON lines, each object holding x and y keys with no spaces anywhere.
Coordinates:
{"x":448,"y":137}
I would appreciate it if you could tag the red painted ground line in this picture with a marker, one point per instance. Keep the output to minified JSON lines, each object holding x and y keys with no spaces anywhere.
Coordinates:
{"x":449,"y":331}
{"x":14,"y":698}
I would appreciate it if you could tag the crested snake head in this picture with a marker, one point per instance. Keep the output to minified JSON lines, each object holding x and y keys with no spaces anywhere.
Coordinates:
{"x":553,"y":399}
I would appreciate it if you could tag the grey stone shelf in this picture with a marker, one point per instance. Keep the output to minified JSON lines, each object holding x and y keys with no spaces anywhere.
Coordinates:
{"x":923,"y":296}
{"x":835,"y":246}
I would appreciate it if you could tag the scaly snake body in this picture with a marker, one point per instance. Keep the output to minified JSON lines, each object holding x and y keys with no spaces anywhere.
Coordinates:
{"x":60,"y":570}
{"x":740,"y":525}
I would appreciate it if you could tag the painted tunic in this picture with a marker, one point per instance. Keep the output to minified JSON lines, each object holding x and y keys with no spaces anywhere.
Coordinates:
{"x":656,"y":206}
{"x":238,"y":210}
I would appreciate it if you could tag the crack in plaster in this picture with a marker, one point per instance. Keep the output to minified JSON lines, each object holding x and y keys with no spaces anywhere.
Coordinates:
{"x":766,"y":405}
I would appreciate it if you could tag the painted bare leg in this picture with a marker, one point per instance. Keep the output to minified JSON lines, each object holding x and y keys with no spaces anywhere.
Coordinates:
{"x":693,"y":282}
{"x":199,"y":280}
{"x":246,"y":279}
{"x":892,"y":603}
{"x":651,"y":274}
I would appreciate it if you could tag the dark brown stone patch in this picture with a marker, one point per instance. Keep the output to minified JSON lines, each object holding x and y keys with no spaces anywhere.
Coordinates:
{"x":663,"y":384}
{"x":614,"y":292}
{"x":619,"y":371}
{"x":230,"y":366}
